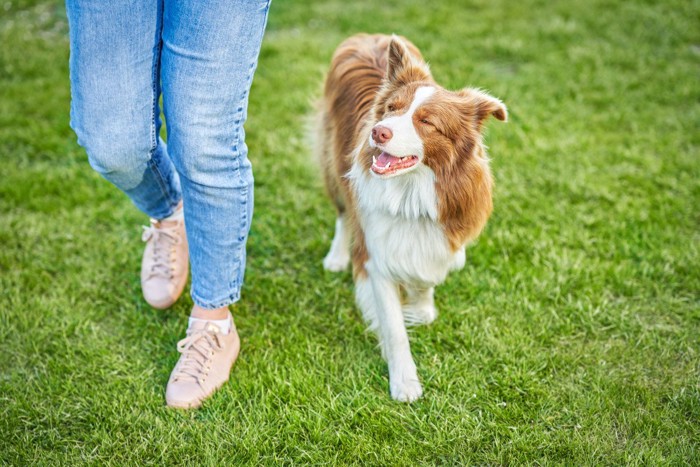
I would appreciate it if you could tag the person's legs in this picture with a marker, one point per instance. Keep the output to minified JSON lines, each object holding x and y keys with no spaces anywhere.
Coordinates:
{"x":114,"y":67}
{"x":209,"y":56}
{"x":115,"y":84}
{"x":210,"y":51}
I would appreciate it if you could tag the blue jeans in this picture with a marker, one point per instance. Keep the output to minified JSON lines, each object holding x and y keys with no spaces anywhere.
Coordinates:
{"x":201,"y":55}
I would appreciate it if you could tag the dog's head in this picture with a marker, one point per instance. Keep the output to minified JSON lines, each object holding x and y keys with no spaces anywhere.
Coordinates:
{"x":418,"y":122}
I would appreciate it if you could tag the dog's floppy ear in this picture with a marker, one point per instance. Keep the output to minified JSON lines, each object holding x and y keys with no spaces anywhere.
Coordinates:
{"x":402,"y":67}
{"x":485,"y":104}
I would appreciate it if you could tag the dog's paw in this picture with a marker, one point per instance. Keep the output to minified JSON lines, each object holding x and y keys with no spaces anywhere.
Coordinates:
{"x":406,"y":390}
{"x":414,"y":315}
{"x":336,"y":262}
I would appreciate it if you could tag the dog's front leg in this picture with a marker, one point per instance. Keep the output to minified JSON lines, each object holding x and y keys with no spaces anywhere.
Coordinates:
{"x":420,"y":306}
{"x":338,"y":256}
{"x":403,"y":379}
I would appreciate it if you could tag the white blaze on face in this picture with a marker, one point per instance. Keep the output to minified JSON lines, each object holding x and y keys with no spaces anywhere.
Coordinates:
{"x":405,"y":141}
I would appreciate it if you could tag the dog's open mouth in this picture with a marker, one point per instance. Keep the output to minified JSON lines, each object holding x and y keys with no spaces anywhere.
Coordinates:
{"x":386,"y":164}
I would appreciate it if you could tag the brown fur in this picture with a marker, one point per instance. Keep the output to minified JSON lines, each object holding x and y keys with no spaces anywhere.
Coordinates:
{"x":372,"y":76}
{"x":358,"y":67}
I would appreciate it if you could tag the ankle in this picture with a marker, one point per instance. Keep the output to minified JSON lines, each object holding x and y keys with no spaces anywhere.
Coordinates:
{"x":215,"y":314}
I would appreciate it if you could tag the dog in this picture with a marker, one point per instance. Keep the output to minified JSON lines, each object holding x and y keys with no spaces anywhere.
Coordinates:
{"x":404,"y":163}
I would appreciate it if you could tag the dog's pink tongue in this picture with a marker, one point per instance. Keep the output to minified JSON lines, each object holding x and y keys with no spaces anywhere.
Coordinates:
{"x":385,"y":158}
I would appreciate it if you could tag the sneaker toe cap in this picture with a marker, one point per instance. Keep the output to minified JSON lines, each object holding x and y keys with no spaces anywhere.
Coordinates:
{"x":159,"y":293}
{"x":183,"y":394}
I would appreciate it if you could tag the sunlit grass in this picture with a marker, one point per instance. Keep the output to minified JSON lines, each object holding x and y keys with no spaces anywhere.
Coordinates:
{"x":571,"y":337}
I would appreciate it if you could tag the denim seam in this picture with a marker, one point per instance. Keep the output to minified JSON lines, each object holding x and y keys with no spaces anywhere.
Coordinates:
{"x":242,"y":105}
{"x":155,"y":75}
{"x":242,"y":234}
{"x":163,"y":187}
{"x":249,"y":78}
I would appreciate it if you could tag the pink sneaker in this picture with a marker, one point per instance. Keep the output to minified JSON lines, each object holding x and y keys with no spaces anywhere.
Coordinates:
{"x":165,"y":262}
{"x":204,"y":366}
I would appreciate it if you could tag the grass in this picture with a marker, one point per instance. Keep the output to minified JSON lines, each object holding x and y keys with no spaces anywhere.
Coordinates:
{"x":571,"y":337}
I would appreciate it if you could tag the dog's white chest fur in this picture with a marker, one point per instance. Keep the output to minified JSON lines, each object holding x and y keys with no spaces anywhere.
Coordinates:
{"x":399,"y":217}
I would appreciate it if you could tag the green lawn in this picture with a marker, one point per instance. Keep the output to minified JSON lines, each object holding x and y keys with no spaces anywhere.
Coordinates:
{"x":571,"y":337}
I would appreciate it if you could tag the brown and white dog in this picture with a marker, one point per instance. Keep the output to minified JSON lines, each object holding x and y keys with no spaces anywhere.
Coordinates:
{"x":404,"y":163}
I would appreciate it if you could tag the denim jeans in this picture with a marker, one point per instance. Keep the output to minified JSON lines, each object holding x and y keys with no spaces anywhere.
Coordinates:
{"x":201,"y":55}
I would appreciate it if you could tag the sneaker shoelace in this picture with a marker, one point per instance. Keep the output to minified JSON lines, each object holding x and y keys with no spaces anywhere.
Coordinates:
{"x":197,"y":350}
{"x":164,"y":241}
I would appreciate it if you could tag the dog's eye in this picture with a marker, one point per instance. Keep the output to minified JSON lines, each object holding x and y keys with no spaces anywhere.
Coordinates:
{"x":391,"y":107}
{"x":425,"y":121}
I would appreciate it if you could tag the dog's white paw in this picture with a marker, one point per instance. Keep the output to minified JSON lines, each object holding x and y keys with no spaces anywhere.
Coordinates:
{"x":336,"y":262}
{"x":405,"y":390}
{"x":414,"y":315}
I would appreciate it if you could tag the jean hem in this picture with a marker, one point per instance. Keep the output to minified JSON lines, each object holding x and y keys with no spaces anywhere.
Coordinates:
{"x":211,"y":305}
{"x":169,"y":212}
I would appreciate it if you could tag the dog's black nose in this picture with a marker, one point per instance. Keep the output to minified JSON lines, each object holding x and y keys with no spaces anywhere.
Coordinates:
{"x":381,"y":134}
